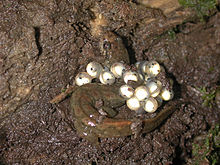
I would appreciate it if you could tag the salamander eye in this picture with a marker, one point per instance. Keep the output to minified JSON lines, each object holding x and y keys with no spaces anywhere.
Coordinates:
{"x":107,"y":77}
{"x":126,"y":91}
{"x":83,"y":78}
{"x":106,"y":45}
{"x":166,"y":94}
{"x":150,"y":105}
{"x":94,"y":69}
{"x":117,"y":69}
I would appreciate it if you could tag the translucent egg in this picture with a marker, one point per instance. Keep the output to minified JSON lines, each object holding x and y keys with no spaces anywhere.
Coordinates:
{"x":94,"y":69}
{"x":142,"y":93}
{"x":83,"y":78}
{"x":139,"y":70}
{"x":117,"y":69}
{"x":143,"y":66}
{"x":150,"y":105}
{"x":130,"y":75}
{"x":154,"y":88}
{"x":166,"y":94}
{"x":107,"y":77}
{"x":152,"y":68}
{"x":133,"y":103}
{"x":126,"y":91}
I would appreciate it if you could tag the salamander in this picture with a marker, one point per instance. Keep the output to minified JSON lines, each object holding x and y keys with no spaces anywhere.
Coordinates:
{"x":89,"y":122}
{"x":94,"y":121}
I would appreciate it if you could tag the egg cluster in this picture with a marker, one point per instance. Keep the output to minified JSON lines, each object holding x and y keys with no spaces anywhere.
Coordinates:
{"x":95,"y":70}
{"x":148,"y":96}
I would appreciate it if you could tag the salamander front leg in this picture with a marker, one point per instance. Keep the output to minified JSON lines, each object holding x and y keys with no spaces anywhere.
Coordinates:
{"x":109,"y":111}
{"x":105,"y":110}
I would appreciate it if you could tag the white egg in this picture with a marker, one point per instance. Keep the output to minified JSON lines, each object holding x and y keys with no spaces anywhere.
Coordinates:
{"x":117,"y":69}
{"x":152,"y":68}
{"x":94,"y":69}
{"x":133,"y":103}
{"x":154,"y":88}
{"x":126,"y":91}
{"x":130,"y":75}
{"x":166,"y":94}
{"x":150,"y":105}
{"x":83,"y":78}
{"x":107,"y":77}
{"x":142,"y":93}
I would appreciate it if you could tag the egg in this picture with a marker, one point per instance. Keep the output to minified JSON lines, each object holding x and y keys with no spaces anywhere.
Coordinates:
{"x":139,"y":70}
{"x":143,"y":66}
{"x":117,"y":69}
{"x":133,"y":103}
{"x":130,"y":75}
{"x":83,"y":78}
{"x":141,"y":93}
{"x":166,"y":94}
{"x":150,"y":105}
{"x":126,"y":91}
{"x":107,"y":77}
{"x":152,"y":68}
{"x":154,"y":88}
{"x":94,"y":69}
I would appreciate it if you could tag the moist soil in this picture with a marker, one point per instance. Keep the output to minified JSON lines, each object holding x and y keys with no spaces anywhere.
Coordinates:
{"x":44,"y":44}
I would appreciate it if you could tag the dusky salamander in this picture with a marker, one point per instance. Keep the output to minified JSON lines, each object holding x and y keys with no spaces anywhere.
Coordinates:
{"x":91,"y":125}
{"x":89,"y":122}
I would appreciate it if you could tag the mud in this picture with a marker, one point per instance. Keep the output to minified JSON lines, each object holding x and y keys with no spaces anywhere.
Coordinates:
{"x":44,"y":44}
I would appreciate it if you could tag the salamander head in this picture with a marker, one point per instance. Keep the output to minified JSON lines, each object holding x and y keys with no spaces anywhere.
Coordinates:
{"x":113,"y":49}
